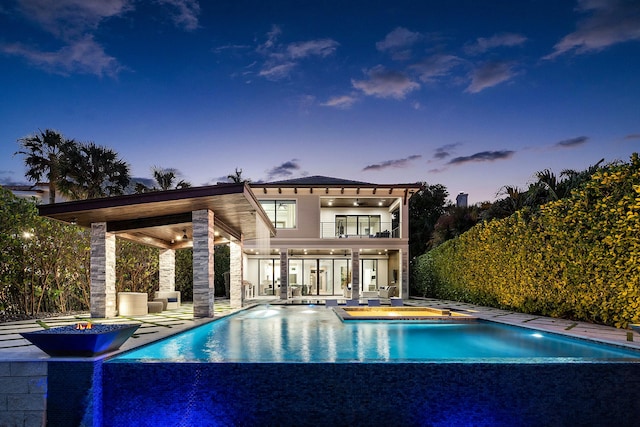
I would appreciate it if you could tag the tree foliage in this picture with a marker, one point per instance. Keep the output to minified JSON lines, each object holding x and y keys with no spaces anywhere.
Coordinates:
{"x":90,"y":171}
{"x":137,"y":267}
{"x":576,"y":257}
{"x":166,"y":179}
{"x":44,"y":264}
{"x":237,"y":177}
{"x":425,"y":208}
{"x":78,"y":170}
{"x":43,"y":154}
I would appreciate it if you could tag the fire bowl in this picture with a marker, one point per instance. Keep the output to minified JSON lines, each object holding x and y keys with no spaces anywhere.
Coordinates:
{"x":69,"y":341}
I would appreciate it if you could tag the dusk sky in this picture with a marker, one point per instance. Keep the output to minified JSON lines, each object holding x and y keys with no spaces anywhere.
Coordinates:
{"x":470,"y":94}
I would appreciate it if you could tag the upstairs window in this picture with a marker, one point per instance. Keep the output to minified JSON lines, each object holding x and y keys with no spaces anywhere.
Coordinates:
{"x":282,"y":213}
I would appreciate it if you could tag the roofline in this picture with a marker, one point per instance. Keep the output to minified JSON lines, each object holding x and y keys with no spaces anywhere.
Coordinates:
{"x":416,"y":185}
{"x":150,"y":197}
{"x":51,"y":210}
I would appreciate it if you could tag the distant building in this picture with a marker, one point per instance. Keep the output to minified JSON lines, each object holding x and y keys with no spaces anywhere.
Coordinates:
{"x":38,"y":192}
{"x":462,"y":200}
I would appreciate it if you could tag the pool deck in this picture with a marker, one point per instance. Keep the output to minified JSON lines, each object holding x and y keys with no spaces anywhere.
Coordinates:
{"x":160,"y":325}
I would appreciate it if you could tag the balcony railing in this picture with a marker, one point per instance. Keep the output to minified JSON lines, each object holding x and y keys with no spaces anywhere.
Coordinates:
{"x":383,"y":230}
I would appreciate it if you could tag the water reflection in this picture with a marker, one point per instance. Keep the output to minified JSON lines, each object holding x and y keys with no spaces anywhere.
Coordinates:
{"x":316,"y":334}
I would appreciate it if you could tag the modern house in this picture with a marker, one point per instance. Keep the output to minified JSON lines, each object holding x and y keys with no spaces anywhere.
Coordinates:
{"x":308,"y":237}
{"x":334,"y":238}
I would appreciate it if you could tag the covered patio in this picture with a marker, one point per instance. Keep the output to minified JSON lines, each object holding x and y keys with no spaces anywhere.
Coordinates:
{"x":199,"y":217}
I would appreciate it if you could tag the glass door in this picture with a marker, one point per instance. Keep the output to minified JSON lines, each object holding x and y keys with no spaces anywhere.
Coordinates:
{"x":320,"y":276}
{"x":369,"y":275}
{"x":269,"y":274}
{"x":325,"y":277}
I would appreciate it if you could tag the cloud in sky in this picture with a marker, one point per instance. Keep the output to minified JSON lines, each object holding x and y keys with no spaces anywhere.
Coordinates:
{"x":284,"y":170}
{"x":276,"y":71}
{"x":445,"y":151}
{"x":80,"y":56}
{"x":343,"y":102}
{"x":74,"y":22}
{"x":607,"y":22}
{"x":398,"y":43}
{"x":383,"y":83}
{"x":321,"y":48}
{"x":632,"y":136}
{"x":483,"y":44}
{"x":490,"y":74}
{"x":185,"y":14}
{"x":281,"y":59}
{"x":571,"y":142}
{"x":398,"y":163}
{"x":483,"y":156}
{"x":436,"y":66}
{"x":67,"y":19}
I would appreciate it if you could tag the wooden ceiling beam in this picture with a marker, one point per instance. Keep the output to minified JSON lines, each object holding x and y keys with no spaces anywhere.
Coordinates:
{"x":157,"y":221}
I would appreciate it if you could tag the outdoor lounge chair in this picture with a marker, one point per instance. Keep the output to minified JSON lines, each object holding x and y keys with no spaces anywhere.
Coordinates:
{"x":172,"y":297}
{"x":373,"y":303}
{"x":331,"y":303}
{"x":353,"y":303}
{"x":387,"y":291}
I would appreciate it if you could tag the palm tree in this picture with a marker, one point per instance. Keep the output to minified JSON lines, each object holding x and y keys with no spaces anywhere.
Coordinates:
{"x":43,"y":153}
{"x":91,"y":171}
{"x":165,"y":178}
{"x":237,"y":178}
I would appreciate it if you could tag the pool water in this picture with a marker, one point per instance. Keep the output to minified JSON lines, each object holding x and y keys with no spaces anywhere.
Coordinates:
{"x":304,"y":334}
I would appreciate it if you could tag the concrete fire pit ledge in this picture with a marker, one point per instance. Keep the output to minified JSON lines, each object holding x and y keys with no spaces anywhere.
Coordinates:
{"x":69,"y":341}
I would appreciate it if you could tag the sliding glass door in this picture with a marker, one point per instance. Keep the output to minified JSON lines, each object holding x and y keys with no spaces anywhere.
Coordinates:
{"x":318,"y":276}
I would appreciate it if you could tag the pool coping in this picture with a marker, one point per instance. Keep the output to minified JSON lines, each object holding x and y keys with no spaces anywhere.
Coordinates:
{"x":155,"y":327}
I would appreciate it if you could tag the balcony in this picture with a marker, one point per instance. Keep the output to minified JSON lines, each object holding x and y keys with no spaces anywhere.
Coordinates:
{"x":382,"y":230}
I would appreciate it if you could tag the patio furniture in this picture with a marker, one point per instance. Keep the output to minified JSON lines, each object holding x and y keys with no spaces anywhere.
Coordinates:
{"x":346,"y":291}
{"x":396,"y":302}
{"x":155,"y":306}
{"x":387,"y":291}
{"x":132,"y":304}
{"x":373,"y":303}
{"x":249,"y":290}
{"x":164,"y":302}
{"x":353,"y":303}
{"x":173,"y":298}
{"x":331,"y":303}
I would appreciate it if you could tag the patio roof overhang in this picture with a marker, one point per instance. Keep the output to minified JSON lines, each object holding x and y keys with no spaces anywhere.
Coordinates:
{"x":161,"y":218}
{"x":347,"y":191}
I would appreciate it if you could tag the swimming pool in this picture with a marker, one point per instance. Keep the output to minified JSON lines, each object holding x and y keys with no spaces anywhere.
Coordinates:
{"x":303,"y":334}
{"x":286,"y":366}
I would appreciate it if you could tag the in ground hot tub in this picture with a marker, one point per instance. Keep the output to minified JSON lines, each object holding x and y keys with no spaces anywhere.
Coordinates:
{"x":402,"y":313}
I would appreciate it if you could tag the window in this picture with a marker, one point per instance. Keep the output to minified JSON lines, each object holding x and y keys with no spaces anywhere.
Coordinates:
{"x":357,"y":225}
{"x":282,"y":213}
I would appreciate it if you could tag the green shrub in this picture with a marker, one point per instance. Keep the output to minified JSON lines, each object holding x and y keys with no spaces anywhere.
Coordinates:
{"x":574,"y":258}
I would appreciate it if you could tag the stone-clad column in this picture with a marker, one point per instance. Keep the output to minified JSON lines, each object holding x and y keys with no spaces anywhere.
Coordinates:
{"x":103,"y":271}
{"x":355,"y":274}
{"x":404,"y":256}
{"x":203,"y":285}
{"x":236,"y":274}
{"x":284,"y":274}
{"x":167,"y":270}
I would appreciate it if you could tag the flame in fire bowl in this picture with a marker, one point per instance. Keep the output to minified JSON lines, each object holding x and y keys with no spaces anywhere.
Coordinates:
{"x":84,"y":340}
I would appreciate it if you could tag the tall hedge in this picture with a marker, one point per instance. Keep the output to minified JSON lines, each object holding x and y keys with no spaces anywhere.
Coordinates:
{"x":574,"y":258}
